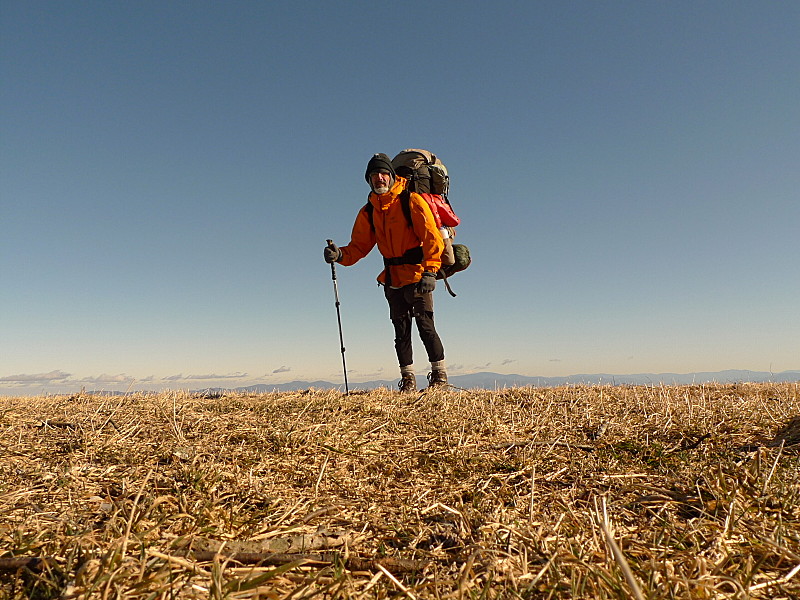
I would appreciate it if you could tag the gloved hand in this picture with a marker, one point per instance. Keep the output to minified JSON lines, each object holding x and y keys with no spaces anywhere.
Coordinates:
{"x":427,"y":284}
{"x":332,"y":253}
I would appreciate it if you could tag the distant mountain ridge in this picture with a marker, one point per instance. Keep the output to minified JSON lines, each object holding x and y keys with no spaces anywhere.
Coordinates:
{"x":488,"y":380}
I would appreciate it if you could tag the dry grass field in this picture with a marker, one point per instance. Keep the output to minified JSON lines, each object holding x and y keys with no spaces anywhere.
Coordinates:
{"x":570,"y":492}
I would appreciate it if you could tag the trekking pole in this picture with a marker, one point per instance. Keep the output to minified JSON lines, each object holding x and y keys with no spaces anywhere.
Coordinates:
{"x":339,"y":319}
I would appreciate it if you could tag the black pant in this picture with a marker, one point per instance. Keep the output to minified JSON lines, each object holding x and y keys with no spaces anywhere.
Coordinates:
{"x":405,"y":303}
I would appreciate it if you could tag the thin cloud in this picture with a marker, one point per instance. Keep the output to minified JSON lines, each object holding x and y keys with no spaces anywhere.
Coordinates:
{"x":178,"y":377}
{"x":36,"y":378}
{"x":357,"y":373}
{"x":215,"y":376}
{"x":105,"y":378}
{"x":204,"y":377}
{"x":283,"y":369}
{"x":508,"y":361}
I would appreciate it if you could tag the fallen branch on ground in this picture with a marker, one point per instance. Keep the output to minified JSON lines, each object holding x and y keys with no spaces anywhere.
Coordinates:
{"x":395,"y":565}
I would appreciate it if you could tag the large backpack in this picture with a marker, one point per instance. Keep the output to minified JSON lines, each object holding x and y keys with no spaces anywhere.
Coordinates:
{"x":428,"y":177}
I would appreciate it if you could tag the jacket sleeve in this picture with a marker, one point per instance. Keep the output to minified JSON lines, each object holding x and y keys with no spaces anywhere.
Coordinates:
{"x":362,"y":240}
{"x":426,"y":230}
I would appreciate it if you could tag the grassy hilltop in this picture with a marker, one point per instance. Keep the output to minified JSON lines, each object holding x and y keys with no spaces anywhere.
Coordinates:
{"x":563,"y":492}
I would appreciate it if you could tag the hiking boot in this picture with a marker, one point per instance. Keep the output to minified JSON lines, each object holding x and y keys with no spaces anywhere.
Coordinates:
{"x":408,"y":383}
{"x":437,"y":378}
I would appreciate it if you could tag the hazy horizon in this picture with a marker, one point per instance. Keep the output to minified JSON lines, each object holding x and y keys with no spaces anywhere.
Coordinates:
{"x":63,"y":383}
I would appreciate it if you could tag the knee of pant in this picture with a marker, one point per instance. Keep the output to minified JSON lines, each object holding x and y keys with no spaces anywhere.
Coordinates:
{"x":419,"y":312}
{"x":402,"y":324}
{"x":425,"y":324}
{"x":423,"y":315}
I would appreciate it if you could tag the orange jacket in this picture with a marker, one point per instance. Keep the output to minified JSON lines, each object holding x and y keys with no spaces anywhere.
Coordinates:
{"x":394,"y":237}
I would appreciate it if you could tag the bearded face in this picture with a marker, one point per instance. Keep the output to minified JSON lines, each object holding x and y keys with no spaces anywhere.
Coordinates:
{"x":380,"y":182}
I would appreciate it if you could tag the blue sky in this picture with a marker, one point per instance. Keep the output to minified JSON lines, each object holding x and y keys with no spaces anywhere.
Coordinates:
{"x":626,"y":174}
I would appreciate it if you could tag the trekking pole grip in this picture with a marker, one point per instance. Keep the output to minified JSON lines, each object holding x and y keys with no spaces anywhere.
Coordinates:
{"x":333,"y":267}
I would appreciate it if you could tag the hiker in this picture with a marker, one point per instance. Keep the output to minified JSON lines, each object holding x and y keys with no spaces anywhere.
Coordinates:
{"x":402,"y":225}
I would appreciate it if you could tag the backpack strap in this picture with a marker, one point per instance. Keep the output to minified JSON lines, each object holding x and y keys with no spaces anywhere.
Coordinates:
{"x":368,"y":208}
{"x":447,"y":283}
{"x":405,"y":204}
{"x":412,"y":256}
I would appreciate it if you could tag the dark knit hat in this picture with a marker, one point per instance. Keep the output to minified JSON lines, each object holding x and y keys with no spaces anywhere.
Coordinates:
{"x":381,"y":163}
